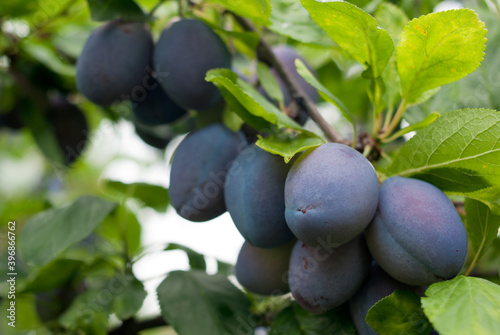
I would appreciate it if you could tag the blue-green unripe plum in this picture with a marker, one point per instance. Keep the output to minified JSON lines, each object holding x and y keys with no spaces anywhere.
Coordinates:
{"x":199,"y":170}
{"x":186,"y":50}
{"x":322,"y":278}
{"x":114,"y":61}
{"x":377,"y":286}
{"x":255,"y":197}
{"x":156,"y":108}
{"x":416,"y":236}
{"x":331,"y":194}
{"x":264,"y":271}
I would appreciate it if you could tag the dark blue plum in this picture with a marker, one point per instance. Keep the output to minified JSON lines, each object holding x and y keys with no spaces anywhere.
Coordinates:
{"x":264,"y":271}
{"x":199,"y":170}
{"x":156,"y":108}
{"x":322,"y":278}
{"x":114,"y":62}
{"x":416,"y":236}
{"x":331,"y":194}
{"x":255,"y":197}
{"x":186,"y":50}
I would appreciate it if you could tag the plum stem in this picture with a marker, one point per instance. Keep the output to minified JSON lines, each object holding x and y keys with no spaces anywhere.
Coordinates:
{"x":265,"y":54}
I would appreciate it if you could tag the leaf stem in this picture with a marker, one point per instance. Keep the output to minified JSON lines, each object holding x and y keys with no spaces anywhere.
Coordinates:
{"x":475,"y":260}
{"x":265,"y":53}
{"x":377,"y":115}
{"x":395,"y":121}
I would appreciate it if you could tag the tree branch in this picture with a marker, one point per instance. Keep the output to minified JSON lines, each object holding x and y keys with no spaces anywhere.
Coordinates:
{"x":132,"y":327}
{"x":265,"y":54}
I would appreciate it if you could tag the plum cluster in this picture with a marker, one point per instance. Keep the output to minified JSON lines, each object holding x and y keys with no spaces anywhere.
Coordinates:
{"x":120,"y":62}
{"x":320,"y":226}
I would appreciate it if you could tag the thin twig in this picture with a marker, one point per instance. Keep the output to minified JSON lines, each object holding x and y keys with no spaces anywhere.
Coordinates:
{"x":265,"y":54}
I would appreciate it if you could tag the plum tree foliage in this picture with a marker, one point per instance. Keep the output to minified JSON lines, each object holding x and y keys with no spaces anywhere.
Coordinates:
{"x":287,"y":115}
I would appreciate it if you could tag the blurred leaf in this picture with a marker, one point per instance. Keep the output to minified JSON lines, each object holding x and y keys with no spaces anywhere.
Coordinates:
{"x":399,"y":313}
{"x":89,"y":312}
{"x":153,"y":196}
{"x":294,"y":320}
{"x":225,"y":268}
{"x":42,"y":132}
{"x":462,"y":305}
{"x":354,"y":31}
{"x":482,"y":226}
{"x":393,"y":20}
{"x":220,"y":307}
{"x":323,"y":91}
{"x":249,"y":104}
{"x":44,"y":54}
{"x":196,"y":260}
{"x":256,"y":10}
{"x":437,"y":49}
{"x":288,"y":145}
{"x":49,"y":232}
{"x":269,"y":83}
{"x":128,"y":302}
{"x":55,"y":274}
{"x":105,"y":10}
{"x":289,"y":18}
{"x":122,"y":224}
{"x":459,"y":153}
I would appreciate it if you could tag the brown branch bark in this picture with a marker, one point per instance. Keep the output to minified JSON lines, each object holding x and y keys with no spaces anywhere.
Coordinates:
{"x":265,"y":54}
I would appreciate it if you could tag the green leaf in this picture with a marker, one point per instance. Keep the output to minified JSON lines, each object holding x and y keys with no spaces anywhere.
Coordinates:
{"x":323,"y":91}
{"x":258,"y":11}
{"x":220,"y":308}
{"x":122,"y":227}
{"x":459,"y":153}
{"x":354,"y":31}
{"x":288,"y":145}
{"x":44,"y":279}
{"x":294,"y":320}
{"x":249,"y":104}
{"x":482,"y":226}
{"x":153,"y":196}
{"x":289,"y":18}
{"x":128,"y":302}
{"x":42,"y":131}
{"x":437,"y":49}
{"x":393,"y":20}
{"x":399,"y":313}
{"x":196,"y":260}
{"x":463,"y":305}
{"x":48,"y":233}
{"x":416,"y":126}
{"x":105,"y":10}
{"x":231,"y":120}
{"x":269,"y":83}
{"x":225,"y":268}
